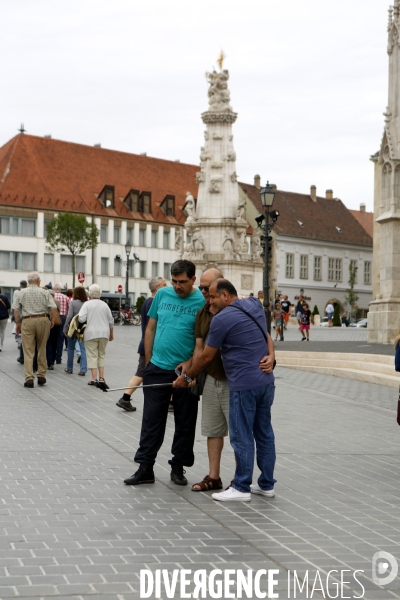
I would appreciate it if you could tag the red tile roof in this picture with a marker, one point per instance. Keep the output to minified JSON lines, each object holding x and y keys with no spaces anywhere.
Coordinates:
{"x":366,"y":220}
{"x":319,"y":218}
{"x":48,"y":174}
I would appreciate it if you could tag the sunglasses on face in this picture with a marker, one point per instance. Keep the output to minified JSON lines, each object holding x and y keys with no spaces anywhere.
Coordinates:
{"x":206,"y":288}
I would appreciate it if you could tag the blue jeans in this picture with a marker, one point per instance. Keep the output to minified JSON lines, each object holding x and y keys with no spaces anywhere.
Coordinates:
{"x":70,"y":359}
{"x":249,"y":421}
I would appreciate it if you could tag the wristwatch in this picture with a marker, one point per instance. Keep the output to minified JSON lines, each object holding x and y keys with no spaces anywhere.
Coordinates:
{"x":187,"y":378}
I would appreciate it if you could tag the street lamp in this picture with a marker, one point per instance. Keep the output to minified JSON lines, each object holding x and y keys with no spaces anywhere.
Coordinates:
{"x":128,"y":248}
{"x":267,"y":195}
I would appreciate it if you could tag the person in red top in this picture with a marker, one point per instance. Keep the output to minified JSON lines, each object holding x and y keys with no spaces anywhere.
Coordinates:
{"x":64,"y":305}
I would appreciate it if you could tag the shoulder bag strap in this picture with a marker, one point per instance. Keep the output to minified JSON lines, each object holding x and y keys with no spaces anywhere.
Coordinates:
{"x":252,"y":318}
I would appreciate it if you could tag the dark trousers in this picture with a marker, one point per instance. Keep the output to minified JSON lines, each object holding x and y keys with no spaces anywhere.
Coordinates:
{"x":60,"y":339}
{"x":51,"y":346}
{"x":155,"y":412}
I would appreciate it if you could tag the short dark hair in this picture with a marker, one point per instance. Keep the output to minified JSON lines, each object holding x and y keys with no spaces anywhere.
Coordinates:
{"x":223,"y":285}
{"x":79,"y":293}
{"x":68,"y":293}
{"x":23,"y":283}
{"x":183,"y":266}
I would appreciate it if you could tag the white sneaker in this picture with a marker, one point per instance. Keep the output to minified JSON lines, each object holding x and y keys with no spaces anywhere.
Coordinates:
{"x":255,"y":489}
{"x":232,"y":494}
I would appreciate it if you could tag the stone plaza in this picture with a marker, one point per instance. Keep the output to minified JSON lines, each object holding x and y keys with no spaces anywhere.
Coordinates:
{"x":71,"y":529}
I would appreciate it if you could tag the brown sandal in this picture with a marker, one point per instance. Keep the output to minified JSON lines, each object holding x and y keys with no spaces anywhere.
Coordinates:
{"x":208,"y":484}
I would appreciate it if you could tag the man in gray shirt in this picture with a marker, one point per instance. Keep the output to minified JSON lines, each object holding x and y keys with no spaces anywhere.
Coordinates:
{"x":37,"y":310}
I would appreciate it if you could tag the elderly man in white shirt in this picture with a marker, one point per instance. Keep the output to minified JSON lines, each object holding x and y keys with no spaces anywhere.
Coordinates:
{"x":98,"y":332}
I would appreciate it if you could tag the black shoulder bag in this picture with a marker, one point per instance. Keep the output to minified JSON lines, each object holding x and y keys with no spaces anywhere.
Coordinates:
{"x":257,"y":323}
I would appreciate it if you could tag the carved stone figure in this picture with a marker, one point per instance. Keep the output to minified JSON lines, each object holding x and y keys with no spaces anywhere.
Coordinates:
{"x":198,"y":243}
{"x":247,"y":282}
{"x":217,"y":165}
{"x":218,"y":93}
{"x":190,"y":207}
{"x":217,"y":136}
{"x":234,"y":178}
{"x":204,"y":154}
{"x":215,"y":187}
{"x":200,"y":176}
{"x":241,"y":246}
{"x":231,"y":156}
{"x":179,"y":243}
{"x":255,"y":245}
{"x":228,"y":245}
{"x":206,"y":135}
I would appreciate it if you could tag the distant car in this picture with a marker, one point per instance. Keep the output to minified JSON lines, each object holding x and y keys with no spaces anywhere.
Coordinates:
{"x":360,"y":323}
{"x":324,"y":322}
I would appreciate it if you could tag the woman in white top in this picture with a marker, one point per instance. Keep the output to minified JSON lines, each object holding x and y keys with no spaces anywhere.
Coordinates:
{"x":99,"y":331}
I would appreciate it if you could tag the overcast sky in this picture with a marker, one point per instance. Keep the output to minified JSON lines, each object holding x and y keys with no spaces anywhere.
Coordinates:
{"x":308,"y":80}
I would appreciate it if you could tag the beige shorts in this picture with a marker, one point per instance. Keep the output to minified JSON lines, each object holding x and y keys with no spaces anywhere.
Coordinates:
{"x":215,"y":408}
{"x":96,"y":352}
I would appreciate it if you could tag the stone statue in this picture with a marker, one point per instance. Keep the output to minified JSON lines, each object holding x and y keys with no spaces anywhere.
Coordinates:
{"x":200,"y":176}
{"x":204,"y":154}
{"x":190,"y":207}
{"x":215,"y":187}
{"x":228,"y":245}
{"x":231,"y":156}
{"x":218,"y":93}
{"x":179,"y":243}
{"x":241,"y":246}
{"x":255,"y":245}
{"x":241,"y":209}
{"x":234,"y":178}
{"x":198,"y":243}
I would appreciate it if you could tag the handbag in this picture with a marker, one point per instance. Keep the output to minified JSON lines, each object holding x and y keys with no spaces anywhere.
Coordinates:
{"x":258,"y":325}
{"x":197,"y":389}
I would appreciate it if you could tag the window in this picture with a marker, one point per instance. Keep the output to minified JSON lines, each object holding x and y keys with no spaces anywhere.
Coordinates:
{"x":106,"y":196}
{"x":354,"y":264}
{"x":168,"y":206}
{"x":132,"y":201}
{"x":317,"y":268}
{"x":154,"y":238}
{"x":142,"y":237}
{"x":367,"y":272}
{"x":131,"y":268}
{"x":145,"y":202}
{"x":16,"y":226}
{"x":303,"y":266}
{"x":104,"y":266}
{"x":334,"y":269}
{"x":48,"y":263}
{"x":129,"y":235}
{"x":5,"y":260}
{"x":117,"y":235}
{"x":154,"y":269}
{"x":28,"y":261}
{"x":45,"y":228}
{"x":117,"y":268}
{"x":167,"y":271}
{"x":142,"y":268}
{"x":166,"y":240}
{"x":289,"y":270}
{"x":103,"y":234}
{"x":66,"y":264}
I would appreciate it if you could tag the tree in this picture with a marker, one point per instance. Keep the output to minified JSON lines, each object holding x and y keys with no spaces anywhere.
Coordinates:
{"x":336,"y":321}
{"x":72,"y":233}
{"x":351,"y":295}
{"x":139,"y":303}
{"x":315,"y":310}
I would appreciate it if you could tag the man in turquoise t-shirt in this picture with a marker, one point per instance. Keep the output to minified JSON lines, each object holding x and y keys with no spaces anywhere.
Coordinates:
{"x":169,"y":342}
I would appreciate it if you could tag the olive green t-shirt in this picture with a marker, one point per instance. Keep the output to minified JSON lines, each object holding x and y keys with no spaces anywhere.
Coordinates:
{"x":201,"y":328}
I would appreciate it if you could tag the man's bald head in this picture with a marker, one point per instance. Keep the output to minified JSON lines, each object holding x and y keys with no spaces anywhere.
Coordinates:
{"x":207,"y":278}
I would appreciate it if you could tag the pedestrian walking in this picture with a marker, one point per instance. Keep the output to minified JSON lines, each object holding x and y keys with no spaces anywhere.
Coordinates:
{"x":98,"y":332}
{"x":330,"y":309}
{"x":125,"y":402}
{"x":277,"y":315}
{"x":305,"y":321}
{"x":299,"y":309}
{"x":64,"y":304}
{"x":51,"y":345}
{"x":4,"y":316}
{"x":247,"y":351}
{"x":37,"y":309}
{"x":78,"y":298}
{"x":285,"y":306}
{"x":169,"y":343}
{"x":23,"y":284}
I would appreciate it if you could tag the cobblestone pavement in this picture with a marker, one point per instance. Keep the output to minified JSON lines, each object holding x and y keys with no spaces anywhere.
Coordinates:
{"x":71,"y":529}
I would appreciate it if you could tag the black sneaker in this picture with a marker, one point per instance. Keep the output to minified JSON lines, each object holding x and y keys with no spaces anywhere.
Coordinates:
{"x":177,"y":475}
{"x":41,"y":380}
{"x":29,"y":383}
{"x":142,"y":475}
{"x":79,"y":360}
{"x":125,"y":404}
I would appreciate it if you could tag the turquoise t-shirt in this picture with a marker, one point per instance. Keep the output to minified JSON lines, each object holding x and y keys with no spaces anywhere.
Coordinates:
{"x":175,"y":316}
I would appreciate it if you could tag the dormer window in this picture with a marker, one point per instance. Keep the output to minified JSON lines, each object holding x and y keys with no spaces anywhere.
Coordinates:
{"x":145,"y":202}
{"x":132,"y":201}
{"x":168,"y":206}
{"x":107,"y":196}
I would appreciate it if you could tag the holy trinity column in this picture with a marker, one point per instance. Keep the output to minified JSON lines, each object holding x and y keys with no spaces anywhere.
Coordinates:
{"x":216,"y":228}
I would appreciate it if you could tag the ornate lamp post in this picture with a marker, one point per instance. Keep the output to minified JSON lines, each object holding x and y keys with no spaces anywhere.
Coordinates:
{"x":267,"y":195}
{"x":128,"y":248}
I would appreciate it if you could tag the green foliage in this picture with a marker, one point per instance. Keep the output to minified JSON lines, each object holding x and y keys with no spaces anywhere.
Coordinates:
{"x":351,"y":295}
{"x":336,"y":321}
{"x":71,"y":233}
{"x":139,"y":303}
{"x":315,"y":311}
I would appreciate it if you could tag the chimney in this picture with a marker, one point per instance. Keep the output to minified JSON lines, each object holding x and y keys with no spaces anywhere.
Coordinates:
{"x":97,"y":145}
{"x":313,"y":193}
{"x":274,"y":186}
{"x":362,"y":208}
{"x":329,"y":194}
{"x":257,"y":181}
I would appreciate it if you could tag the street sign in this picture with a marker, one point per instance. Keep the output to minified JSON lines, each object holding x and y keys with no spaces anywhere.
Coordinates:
{"x":81,"y":277}
{"x":120,"y":289}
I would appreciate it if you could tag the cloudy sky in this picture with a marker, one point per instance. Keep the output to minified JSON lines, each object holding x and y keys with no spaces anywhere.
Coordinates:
{"x":308,"y":80}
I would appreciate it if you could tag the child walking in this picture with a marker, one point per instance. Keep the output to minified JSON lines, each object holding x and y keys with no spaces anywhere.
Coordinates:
{"x":305,"y":323}
{"x":278,"y":320}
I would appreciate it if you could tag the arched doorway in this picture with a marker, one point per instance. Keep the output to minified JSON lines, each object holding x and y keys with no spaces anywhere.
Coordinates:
{"x":335,"y":302}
